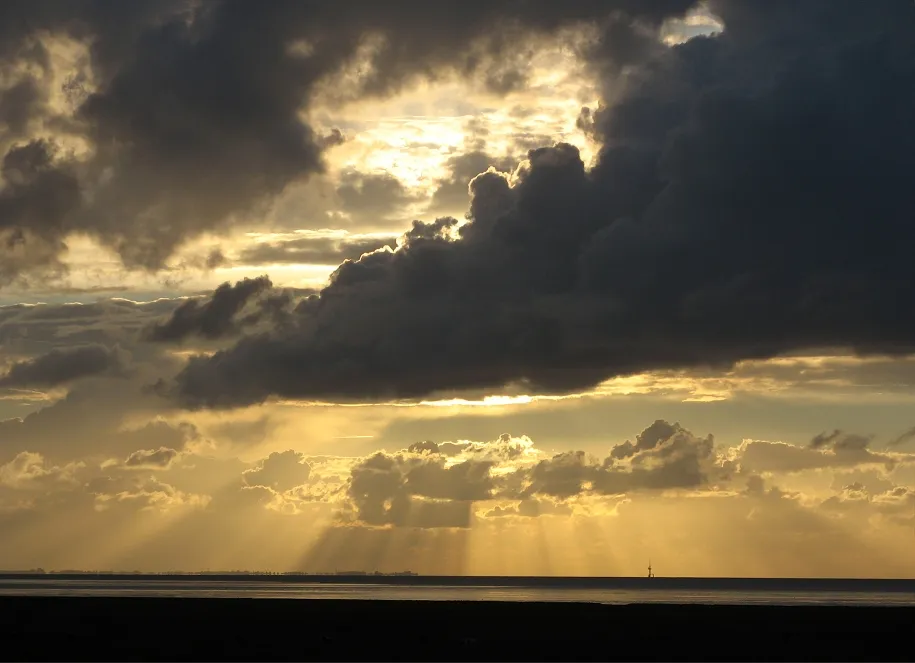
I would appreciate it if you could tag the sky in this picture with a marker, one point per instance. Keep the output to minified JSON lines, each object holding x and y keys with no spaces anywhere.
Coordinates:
{"x":511,"y":287}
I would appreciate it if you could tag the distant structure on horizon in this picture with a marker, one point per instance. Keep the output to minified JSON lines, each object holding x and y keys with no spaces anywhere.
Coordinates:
{"x":650,"y":574}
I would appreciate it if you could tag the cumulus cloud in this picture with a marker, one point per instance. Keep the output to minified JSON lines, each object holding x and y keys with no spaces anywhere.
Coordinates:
{"x":453,"y":191}
{"x":417,"y":491}
{"x":896,"y":502}
{"x":568,"y":276}
{"x":664,"y":456}
{"x":435,"y":485}
{"x":431,"y":484}
{"x":433,"y":489}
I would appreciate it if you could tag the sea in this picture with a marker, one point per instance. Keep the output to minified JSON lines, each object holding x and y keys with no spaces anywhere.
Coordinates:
{"x":614,"y":591}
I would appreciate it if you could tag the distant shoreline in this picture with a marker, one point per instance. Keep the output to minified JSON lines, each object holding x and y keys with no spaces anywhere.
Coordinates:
{"x":275,"y":629}
{"x":679,"y":583}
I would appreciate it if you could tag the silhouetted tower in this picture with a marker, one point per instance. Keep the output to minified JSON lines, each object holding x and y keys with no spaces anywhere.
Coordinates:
{"x":650,"y":574}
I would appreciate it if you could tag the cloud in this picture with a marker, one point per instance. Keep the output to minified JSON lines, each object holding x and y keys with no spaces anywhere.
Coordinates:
{"x":850,"y":451}
{"x":505,"y":448}
{"x":312,"y":250}
{"x":372,"y":194}
{"x":151,"y":459}
{"x":903,"y":438}
{"x":417,"y":491}
{"x":434,"y":485}
{"x":35,"y":201}
{"x":30,"y":331}
{"x":431,"y":484}
{"x":30,"y":470}
{"x":218,"y":316}
{"x":895,"y":503}
{"x":531,"y":508}
{"x":280,"y":471}
{"x":567,"y":276}
{"x":664,"y":456}
{"x":824,"y":439}
{"x":189,"y":116}
{"x":453,"y":191}
{"x":431,"y":490}
{"x":242,"y":432}
{"x":106,"y":418}
{"x":61,"y":366}
{"x":146,"y":494}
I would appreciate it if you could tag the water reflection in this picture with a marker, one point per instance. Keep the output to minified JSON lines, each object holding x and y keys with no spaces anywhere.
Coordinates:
{"x":247,"y":589}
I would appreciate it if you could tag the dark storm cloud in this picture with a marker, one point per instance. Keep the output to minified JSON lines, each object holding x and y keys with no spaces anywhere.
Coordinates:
{"x":193,"y":109}
{"x":60,"y":366}
{"x":36,"y":200}
{"x":752,"y":197}
{"x":312,"y":250}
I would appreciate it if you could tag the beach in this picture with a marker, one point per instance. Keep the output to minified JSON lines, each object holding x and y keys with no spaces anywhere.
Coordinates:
{"x":63,"y":628}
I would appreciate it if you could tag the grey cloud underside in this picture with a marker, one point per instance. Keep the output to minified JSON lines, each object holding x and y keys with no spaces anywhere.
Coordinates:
{"x":63,"y":430}
{"x":372,"y":194}
{"x":193,"y":109}
{"x":60,"y":366}
{"x":213,"y":318}
{"x":851,"y":451}
{"x":752,"y":197}
{"x":231,"y":309}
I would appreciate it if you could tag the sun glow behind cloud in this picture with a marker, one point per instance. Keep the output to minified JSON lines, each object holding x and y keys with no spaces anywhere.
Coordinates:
{"x":405,"y":145}
{"x":410,"y":136}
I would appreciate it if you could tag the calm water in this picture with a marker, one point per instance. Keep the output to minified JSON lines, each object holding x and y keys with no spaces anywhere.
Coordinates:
{"x":304,"y":590}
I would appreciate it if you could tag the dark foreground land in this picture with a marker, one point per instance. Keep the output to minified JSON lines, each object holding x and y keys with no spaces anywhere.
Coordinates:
{"x":287,"y":629}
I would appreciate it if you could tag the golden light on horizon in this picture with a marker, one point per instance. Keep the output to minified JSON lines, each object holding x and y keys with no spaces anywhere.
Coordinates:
{"x":138,"y":187}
